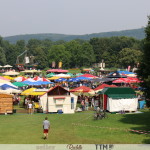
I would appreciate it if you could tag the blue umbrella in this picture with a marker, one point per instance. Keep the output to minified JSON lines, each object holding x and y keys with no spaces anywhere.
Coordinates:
{"x":73,"y":80}
{"x":60,"y":80}
{"x":6,"y":86}
{"x":44,"y":82}
{"x":83,"y":78}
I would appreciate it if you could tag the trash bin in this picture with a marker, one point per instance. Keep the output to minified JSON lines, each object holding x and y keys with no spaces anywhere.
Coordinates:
{"x":14,"y":110}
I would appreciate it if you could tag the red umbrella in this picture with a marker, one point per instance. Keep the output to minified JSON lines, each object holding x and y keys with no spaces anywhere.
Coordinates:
{"x":82,"y":89}
{"x":102,"y":86}
{"x":121,"y":80}
{"x":88,"y":76}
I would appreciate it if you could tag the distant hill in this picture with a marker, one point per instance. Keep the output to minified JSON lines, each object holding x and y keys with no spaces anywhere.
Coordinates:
{"x":136,"y":33}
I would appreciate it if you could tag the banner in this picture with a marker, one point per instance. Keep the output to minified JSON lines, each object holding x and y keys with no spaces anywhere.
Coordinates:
{"x":27,"y":60}
{"x":60,"y":64}
{"x":53,"y":64}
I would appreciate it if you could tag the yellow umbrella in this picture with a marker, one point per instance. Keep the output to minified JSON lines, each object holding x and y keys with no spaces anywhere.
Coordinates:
{"x":8,"y":77}
{"x":37,"y":93}
{"x":53,"y":78}
{"x":28,"y":91}
{"x":32,"y":91}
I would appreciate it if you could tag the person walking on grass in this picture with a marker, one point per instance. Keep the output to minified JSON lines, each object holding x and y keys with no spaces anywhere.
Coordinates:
{"x":46,"y":127}
{"x":30,"y":108}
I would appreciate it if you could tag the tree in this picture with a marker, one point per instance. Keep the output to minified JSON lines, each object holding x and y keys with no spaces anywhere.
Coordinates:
{"x":129,"y":57}
{"x":144,"y":66}
{"x":58,"y":54}
{"x":2,"y":57}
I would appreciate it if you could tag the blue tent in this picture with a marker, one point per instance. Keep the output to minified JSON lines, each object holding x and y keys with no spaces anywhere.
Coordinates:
{"x":60,"y":80}
{"x":6,"y":86}
{"x":126,"y":72}
{"x":73,"y":80}
{"x":83,"y":78}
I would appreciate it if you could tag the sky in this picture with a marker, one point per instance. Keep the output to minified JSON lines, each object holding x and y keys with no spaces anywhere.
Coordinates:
{"x":76,"y":17}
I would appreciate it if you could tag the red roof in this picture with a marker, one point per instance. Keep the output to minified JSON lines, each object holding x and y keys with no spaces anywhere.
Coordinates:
{"x":102,"y":86}
{"x":57,"y":70}
{"x":88,"y":76}
{"x":82,"y":89}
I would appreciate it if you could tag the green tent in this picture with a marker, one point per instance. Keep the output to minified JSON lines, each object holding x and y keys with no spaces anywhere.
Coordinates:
{"x":118,"y":92}
{"x":79,"y":74}
{"x":50,"y":75}
{"x":19,"y":84}
{"x":70,"y":74}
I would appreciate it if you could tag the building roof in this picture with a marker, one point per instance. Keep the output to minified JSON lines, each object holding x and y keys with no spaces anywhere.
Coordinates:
{"x":118,"y":92}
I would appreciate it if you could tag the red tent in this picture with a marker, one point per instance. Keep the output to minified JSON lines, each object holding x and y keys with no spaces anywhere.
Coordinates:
{"x":88,"y":76}
{"x":102,"y":86}
{"x":122,"y":80}
{"x":82,"y":89}
{"x":57,"y":70}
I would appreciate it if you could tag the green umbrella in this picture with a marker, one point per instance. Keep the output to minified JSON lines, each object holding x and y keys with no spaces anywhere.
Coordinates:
{"x":71,"y":75}
{"x":50,"y":75}
{"x":79,"y":74}
{"x":20,"y":84}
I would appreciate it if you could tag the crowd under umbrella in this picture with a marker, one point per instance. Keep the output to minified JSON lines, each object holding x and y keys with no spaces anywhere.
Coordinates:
{"x":60,"y":80}
{"x":73,"y":80}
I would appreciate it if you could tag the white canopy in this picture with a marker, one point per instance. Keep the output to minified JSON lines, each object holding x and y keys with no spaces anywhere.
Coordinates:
{"x":8,"y":66}
{"x":11,"y":73}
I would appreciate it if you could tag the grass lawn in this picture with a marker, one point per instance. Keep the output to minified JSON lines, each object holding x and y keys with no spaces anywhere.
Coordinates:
{"x":71,"y":129}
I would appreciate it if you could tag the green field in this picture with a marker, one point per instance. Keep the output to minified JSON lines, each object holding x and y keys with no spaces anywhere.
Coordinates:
{"x":78,"y":128}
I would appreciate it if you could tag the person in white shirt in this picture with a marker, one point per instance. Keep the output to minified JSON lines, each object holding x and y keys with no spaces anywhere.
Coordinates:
{"x":46,"y":127}
{"x":30,"y":108}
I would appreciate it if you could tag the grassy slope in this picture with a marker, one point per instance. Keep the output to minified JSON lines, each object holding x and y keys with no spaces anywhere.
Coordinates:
{"x":27,"y":129}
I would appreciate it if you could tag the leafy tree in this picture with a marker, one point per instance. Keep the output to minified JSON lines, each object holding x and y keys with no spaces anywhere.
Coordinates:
{"x":144,"y":66}
{"x":2,"y":57}
{"x":87,"y":56}
{"x":129,"y":57}
{"x":74,"y":48}
{"x":58,"y":53}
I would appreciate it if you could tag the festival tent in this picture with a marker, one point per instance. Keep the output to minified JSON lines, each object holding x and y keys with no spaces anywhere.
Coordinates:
{"x":116,"y":74}
{"x":70,"y":74}
{"x":83,"y":89}
{"x":89,"y":76}
{"x":60,"y":80}
{"x":73,"y":80}
{"x":3,"y":78}
{"x":7,"y":66}
{"x":4,"y":81}
{"x":57,"y":70}
{"x":11,"y":73}
{"x":121,"y":80}
{"x":8,"y":77}
{"x":20,"y":79}
{"x":61,"y":75}
{"x":19,"y":84}
{"x":102,"y":86}
{"x":115,"y":99}
{"x":79,"y":74}
{"x":83,"y":78}
{"x":50,"y":75}
{"x":7,"y":86}
{"x":53,"y":78}
{"x":32,"y":91}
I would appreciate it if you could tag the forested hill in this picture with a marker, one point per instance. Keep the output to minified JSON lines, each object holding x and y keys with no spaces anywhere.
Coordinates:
{"x":136,"y":33}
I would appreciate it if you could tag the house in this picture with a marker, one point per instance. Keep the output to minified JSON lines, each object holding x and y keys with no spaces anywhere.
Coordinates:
{"x":58,"y":98}
{"x":6,"y":103}
{"x":115,"y":99}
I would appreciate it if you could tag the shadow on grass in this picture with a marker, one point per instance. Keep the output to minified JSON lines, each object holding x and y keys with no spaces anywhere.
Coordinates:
{"x":141,"y":119}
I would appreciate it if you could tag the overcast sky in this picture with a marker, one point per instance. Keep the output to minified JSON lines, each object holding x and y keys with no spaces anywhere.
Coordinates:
{"x":71,"y":16}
